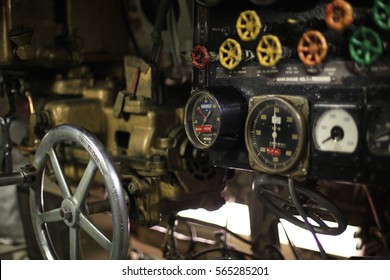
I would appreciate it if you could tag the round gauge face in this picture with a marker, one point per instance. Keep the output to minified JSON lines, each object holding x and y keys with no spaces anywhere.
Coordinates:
{"x":202,"y":119}
{"x":275,"y":135}
{"x":335,"y":130}
{"x":379,"y":135}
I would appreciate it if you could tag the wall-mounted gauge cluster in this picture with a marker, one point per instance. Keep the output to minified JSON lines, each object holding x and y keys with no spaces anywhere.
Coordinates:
{"x":276,"y":134}
{"x":310,"y":74}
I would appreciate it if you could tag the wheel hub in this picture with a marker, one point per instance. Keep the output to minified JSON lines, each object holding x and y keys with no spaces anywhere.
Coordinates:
{"x":69,"y":213}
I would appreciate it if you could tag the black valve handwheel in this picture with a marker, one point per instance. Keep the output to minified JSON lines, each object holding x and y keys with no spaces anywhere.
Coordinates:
{"x":272,"y":191}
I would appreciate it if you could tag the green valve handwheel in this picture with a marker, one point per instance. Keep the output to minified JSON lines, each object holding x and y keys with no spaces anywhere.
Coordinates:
{"x":365,"y":46}
{"x":382,"y":14}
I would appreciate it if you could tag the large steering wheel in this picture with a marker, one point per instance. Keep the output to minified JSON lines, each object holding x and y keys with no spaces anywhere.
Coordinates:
{"x":74,"y":211}
{"x":272,"y":191}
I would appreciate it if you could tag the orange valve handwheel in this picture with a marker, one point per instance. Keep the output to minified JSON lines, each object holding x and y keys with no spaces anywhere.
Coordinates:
{"x":230,"y":54}
{"x":248,"y":25}
{"x":269,"y":50}
{"x":312,"y":48}
{"x":339,"y":15}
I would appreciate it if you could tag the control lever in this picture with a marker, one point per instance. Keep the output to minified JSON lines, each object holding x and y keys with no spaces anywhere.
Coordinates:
{"x":5,"y":146}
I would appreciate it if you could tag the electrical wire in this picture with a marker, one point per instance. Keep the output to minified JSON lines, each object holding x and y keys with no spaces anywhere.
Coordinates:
{"x":302,"y":213}
{"x":294,"y":248}
{"x":206,"y":224}
{"x":223,"y":250}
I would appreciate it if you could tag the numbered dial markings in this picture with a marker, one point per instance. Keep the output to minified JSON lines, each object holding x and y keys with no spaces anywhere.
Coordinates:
{"x":275,"y":135}
{"x":335,"y":130}
{"x":203,"y":120}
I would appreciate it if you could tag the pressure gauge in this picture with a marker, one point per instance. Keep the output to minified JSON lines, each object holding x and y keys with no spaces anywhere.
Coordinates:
{"x":335,"y":130}
{"x":378,"y":136}
{"x":275,"y":133}
{"x":213,"y":118}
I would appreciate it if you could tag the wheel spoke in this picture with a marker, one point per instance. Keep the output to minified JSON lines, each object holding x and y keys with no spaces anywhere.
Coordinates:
{"x":50,"y":216}
{"x":357,"y":42}
{"x":318,"y":220}
{"x":59,"y":174}
{"x":307,"y":39}
{"x":279,"y":196}
{"x":95,"y":233}
{"x":74,"y":243}
{"x":85,"y":182}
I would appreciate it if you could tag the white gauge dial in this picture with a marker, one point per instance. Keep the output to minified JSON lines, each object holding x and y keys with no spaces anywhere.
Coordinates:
{"x":336,"y":131}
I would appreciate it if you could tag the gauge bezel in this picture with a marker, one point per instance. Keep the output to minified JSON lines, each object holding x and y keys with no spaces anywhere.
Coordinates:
{"x":232,"y":111}
{"x":188,"y":124}
{"x":298,"y":107}
{"x":314,"y":131}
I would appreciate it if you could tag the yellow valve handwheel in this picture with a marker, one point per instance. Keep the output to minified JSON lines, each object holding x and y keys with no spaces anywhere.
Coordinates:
{"x":269,"y":50}
{"x":248,"y":25}
{"x":230,"y":54}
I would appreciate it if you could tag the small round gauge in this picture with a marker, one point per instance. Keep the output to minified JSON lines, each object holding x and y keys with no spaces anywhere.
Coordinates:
{"x":335,"y":130}
{"x":379,"y":135}
{"x":275,"y":135}
{"x":213,"y":118}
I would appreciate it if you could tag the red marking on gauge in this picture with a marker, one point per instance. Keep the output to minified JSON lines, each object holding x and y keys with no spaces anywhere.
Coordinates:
{"x":274,"y":152}
{"x":203,"y":128}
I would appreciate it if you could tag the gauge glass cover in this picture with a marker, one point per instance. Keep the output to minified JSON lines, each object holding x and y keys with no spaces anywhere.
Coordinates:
{"x":202,"y":119}
{"x":275,"y":135}
{"x":335,"y":130}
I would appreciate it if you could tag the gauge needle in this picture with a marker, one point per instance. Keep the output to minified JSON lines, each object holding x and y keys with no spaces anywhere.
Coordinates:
{"x":201,"y":112}
{"x":274,"y":134}
{"x":327,"y":139}
{"x":206,"y":117}
{"x":337,"y":134}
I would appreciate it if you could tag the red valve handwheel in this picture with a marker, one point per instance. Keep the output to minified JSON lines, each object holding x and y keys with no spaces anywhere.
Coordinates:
{"x":200,"y":57}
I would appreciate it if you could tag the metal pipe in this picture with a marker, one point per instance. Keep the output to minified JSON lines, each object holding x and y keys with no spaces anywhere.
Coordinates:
{"x":15,"y":178}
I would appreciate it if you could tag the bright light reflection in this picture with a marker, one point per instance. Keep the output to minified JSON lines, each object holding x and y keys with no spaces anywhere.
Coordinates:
{"x":234,"y":216}
{"x":343,"y":245}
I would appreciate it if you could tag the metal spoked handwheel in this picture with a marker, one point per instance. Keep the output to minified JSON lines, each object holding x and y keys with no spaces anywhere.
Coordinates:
{"x":248,"y":25}
{"x":272,"y":191}
{"x":381,"y":12}
{"x":312,"y":48}
{"x":74,"y":212}
{"x":339,"y":15}
{"x":230,"y":54}
{"x":269,"y":50}
{"x":365,"y":46}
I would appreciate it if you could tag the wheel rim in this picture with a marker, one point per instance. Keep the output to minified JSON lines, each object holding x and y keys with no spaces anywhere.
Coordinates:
{"x":382,"y":14}
{"x":339,"y":15}
{"x":269,"y":50}
{"x":312,"y":48}
{"x":230,"y":54}
{"x":365,"y":46}
{"x":248,"y":25}
{"x":72,"y":210}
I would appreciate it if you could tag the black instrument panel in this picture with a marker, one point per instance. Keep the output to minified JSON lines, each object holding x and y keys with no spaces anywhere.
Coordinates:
{"x":339,"y":67}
